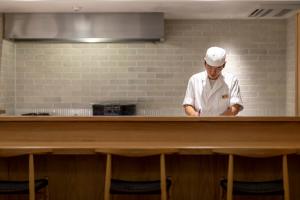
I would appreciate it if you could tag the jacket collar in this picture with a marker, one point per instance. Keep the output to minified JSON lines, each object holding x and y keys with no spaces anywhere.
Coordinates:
{"x":218,"y":84}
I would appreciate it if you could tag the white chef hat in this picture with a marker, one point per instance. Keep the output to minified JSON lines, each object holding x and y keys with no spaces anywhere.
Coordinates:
{"x":215,"y":56}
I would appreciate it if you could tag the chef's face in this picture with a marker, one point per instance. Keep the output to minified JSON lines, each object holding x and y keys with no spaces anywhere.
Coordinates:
{"x":213,"y":72}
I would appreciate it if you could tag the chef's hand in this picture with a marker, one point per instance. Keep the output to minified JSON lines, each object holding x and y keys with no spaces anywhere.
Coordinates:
{"x":197,"y":114}
{"x":231,"y":110}
{"x":191,"y":111}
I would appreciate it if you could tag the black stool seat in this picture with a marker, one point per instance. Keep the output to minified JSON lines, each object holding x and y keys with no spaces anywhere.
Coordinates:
{"x":137,"y":187}
{"x":274,"y":187}
{"x":20,"y":187}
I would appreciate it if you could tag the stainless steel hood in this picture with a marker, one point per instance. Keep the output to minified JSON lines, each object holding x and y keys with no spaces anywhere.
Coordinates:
{"x":85,"y":27}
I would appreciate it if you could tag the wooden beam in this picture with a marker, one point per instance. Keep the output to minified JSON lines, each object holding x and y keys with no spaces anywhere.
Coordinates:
{"x":298,"y":65}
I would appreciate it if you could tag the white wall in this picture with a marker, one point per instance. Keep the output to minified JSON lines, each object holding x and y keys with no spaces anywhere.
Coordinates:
{"x":7,"y":73}
{"x":58,"y":77}
{"x":291,"y":66}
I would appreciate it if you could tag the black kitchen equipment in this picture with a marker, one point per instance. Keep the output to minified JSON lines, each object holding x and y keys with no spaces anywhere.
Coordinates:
{"x":114,"y":109}
{"x":36,"y":114}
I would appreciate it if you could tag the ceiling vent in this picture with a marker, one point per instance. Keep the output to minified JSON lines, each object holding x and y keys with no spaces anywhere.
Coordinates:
{"x":274,"y":11}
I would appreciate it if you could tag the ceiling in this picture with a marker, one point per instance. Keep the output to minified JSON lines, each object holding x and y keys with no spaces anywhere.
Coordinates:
{"x":180,"y":9}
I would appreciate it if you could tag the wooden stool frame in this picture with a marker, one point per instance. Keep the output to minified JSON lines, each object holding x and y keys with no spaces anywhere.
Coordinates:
{"x":135,"y":153}
{"x":31,"y":174}
{"x":256,"y":153}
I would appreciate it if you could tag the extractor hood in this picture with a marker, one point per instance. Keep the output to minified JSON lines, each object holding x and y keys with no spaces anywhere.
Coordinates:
{"x":85,"y":27}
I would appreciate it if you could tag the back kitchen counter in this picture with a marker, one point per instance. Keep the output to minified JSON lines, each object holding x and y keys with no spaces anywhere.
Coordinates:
{"x":141,"y":132}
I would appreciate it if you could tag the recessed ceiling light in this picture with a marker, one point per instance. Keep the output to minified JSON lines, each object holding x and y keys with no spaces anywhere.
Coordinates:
{"x":77,"y":8}
{"x":92,"y":40}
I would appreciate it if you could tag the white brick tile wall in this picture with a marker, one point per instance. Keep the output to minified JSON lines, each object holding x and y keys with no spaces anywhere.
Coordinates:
{"x":7,"y":73}
{"x":7,"y":76}
{"x":291,"y":66}
{"x":61,"y":77}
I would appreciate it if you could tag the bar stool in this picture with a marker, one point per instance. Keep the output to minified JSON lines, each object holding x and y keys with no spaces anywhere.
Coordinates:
{"x":30,"y":187}
{"x":273,"y":187}
{"x":114,"y":186}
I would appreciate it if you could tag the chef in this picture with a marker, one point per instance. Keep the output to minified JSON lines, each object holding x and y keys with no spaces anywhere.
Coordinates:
{"x":213,"y":92}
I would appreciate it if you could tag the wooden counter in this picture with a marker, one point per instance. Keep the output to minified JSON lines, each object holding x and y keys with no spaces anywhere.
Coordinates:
{"x":195,"y":176}
{"x":140,"y":132}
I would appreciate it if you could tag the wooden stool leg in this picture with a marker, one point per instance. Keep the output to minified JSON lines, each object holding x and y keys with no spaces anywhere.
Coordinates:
{"x":285,"y":178}
{"x":163,"y":185}
{"x":31,"y":178}
{"x":230,"y":178}
{"x":107,"y":178}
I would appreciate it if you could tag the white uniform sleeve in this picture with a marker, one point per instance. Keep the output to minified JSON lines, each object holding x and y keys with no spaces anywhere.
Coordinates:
{"x":189,"y":98}
{"x":235,"y":96}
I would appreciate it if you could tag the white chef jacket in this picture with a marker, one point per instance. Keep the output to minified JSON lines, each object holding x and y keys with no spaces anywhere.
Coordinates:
{"x":212,"y":101}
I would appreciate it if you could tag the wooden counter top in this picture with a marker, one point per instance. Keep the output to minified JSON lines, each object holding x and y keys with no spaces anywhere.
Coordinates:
{"x":131,"y":135}
{"x":146,"y":118}
{"x":141,"y":132}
